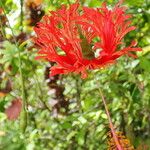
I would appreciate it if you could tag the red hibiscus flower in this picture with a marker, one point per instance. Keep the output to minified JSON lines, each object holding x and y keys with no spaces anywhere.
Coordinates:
{"x":80,"y":41}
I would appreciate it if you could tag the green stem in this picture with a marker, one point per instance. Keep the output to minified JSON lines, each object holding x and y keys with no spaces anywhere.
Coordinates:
{"x":21,"y":15}
{"x":41,"y":92}
{"x":110,"y":122}
{"x":24,"y":112}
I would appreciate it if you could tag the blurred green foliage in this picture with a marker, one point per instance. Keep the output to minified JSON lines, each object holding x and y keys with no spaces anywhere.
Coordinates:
{"x":126,"y":86}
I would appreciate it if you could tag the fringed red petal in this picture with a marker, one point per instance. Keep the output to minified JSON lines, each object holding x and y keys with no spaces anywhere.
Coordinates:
{"x":67,"y":37}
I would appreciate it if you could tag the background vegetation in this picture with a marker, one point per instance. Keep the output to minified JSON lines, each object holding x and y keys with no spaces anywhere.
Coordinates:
{"x":65,"y":112}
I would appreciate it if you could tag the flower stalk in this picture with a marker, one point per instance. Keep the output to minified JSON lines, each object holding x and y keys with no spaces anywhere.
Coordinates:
{"x":110,"y":121}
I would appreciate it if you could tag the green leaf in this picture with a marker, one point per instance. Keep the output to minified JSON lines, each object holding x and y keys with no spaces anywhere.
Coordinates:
{"x":145,"y":64}
{"x":80,"y":137}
